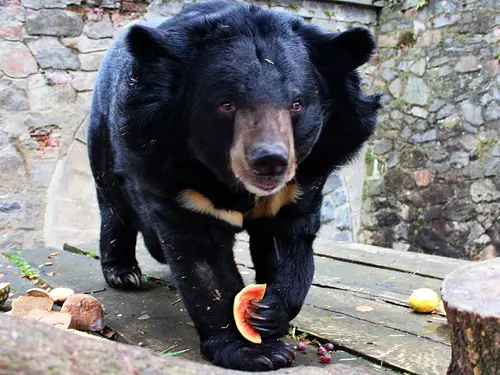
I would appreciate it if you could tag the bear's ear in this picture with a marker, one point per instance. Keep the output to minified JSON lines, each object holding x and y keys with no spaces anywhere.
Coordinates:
{"x":146,"y":43}
{"x":349,"y":49}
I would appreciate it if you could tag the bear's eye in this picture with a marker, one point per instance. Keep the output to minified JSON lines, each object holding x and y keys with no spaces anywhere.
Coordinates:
{"x":296,"y":106}
{"x":227,"y":107}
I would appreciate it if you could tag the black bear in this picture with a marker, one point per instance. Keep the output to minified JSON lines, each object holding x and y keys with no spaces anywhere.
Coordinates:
{"x":224,"y":118}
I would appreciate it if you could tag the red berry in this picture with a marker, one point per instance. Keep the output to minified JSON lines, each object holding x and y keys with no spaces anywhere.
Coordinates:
{"x":329,"y":347}
{"x":326,"y":358}
{"x":321,"y":350}
{"x":301,"y":346}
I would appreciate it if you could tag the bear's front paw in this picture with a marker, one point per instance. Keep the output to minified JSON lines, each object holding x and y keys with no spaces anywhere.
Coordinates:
{"x":123,"y":277}
{"x":231,"y":352}
{"x":269,"y":316}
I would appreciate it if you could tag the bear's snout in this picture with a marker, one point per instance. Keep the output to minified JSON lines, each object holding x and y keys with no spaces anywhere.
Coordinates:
{"x":262,"y":154}
{"x":268,"y":159}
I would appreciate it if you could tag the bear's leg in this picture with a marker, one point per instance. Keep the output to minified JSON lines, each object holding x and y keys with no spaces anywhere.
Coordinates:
{"x":282,"y":254}
{"x":208,"y":280}
{"x":118,"y":238}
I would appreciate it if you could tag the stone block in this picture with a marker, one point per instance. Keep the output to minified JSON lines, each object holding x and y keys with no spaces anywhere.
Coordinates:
{"x":472,"y":113}
{"x":467,"y":64}
{"x":12,"y":97}
{"x":54,"y":22}
{"x":11,"y":22}
{"x":85,"y":45}
{"x":484,"y":191}
{"x":16,"y":60}
{"x":422,"y":177}
{"x":44,"y":97}
{"x":83,"y":81}
{"x":91,"y":61}
{"x":99,"y":29}
{"x":492,"y":113}
{"x":416,"y":91}
{"x":333,"y":182}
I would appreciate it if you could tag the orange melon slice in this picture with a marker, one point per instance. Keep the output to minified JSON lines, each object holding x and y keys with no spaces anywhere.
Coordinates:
{"x":250,"y":293}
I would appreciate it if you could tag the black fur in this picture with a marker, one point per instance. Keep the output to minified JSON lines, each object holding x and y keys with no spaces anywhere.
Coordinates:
{"x":154,"y":131}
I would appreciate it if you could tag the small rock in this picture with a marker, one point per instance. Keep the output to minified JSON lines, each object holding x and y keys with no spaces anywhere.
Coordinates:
{"x":416,"y":91}
{"x":468,"y":142}
{"x":438,"y":61}
{"x":58,"y":58}
{"x":470,"y":129}
{"x":58,"y":77}
{"x":12,"y":98}
{"x":388,"y":74}
{"x":492,"y":112}
{"x":54,"y":22}
{"x":430,"y":135}
{"x":327,"y":210}
{"x":492,"y":167}
{"x":459,"y":159}
{"x":472,"y":113}
{"x":423,"y":177}
{"x":419,"y":67}
{"x":446,"y":20}
{"x":10,"y":207}
{"x":16,"y":60}
{"x":342,"y":218}
{"x":333,"y":182}
{"x":405,"y":212}
{"x":438,"y":155}
{"x":436,"y":105}
{"x":396,"y":88}
{"x":99,"y":29}
{"x":90,"y":61}
{"x":484,"y":191}
{"x":382,"y":146}
{"x":460,"y":211}
{"x":393,"y":160}
{"x":419,"y":112}
{"x":386,"y":41}
{"x":443,"y":71}
{"x":467,"y":64}
{"x":83,"y":81}
{"x":143,"y":317}
{"x":86,"y":45}
{"x":338,"y":198}
{"x":446,"y":111}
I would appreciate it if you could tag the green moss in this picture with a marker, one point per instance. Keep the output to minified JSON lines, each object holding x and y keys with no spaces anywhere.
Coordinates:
{"x":368,"y":157}
{"x":420,"y":210}
{"x":18,"y":260}
{"x":420,"y":222}
{"x":293,"y":7}
{"x":328,"y":13}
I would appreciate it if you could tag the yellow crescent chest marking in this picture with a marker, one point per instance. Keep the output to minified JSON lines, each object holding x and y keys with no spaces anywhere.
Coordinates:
{"x":270,"y":206}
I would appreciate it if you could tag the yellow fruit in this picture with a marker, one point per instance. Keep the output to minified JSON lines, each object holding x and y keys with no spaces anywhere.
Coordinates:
{"x":424,"y":300}
{"x":4,"y":292}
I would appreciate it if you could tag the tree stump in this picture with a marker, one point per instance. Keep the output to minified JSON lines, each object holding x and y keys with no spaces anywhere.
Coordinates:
{"x":471,"y":297}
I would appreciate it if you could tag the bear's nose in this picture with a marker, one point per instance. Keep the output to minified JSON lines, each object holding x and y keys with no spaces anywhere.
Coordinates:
{"x":268,"y":159}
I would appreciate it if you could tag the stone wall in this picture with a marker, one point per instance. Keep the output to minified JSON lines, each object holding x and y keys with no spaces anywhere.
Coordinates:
{"x":50,"y":51}
{"x":433,"y":170}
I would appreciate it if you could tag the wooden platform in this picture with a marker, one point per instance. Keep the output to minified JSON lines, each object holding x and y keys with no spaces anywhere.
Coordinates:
{"x":358,"y":301}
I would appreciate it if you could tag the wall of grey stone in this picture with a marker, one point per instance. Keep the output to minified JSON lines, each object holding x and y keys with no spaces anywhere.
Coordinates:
{"x":433,"y":170}
{"x":50,"y":51}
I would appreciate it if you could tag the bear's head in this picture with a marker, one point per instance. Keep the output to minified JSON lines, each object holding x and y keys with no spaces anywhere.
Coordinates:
{"x":252,"y":87}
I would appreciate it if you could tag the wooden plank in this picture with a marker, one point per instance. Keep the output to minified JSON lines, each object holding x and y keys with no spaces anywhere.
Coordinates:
{"x":378,"y":283}
{"x":431,"y":326}
{"x":379,"y":343}
{"x":420,"y":264}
